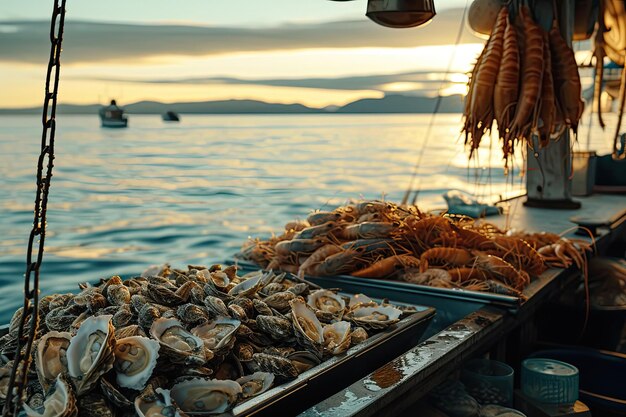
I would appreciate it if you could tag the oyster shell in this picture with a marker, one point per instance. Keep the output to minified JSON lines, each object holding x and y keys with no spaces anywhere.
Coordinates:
{"x":280,"y":300}
{"x":243,"y":351}
{"x":247,"y":287}
{"x":131,"y":330}
{"x":192,"y":314}
{"x":337,"y":337}
{"x":123,"y":317}
{"x":237,"y":312}
{"x":5,"y":375}
{"x":308,"y":328}
{"x":163,"y":295}
{"x":177,"y":343}
{"x":255,"y":384}
{"x":246,"y":304}
{"x":360,"y":300}
{"x":156,"y":403}
{"x":135,"y":359}
{"x":204,"y":396}
{"x":327,"y":305}
{"x":148,"y":315}
{"x":278,"y":328}
{"x":90,"y":352}
{"x":277,"y":365}
{"x":218,"y":335}
{"x":303,"y":360}
{"x":216,"y":306}
{"x":94,"y":404}
{"x":114,"y":395}
{"x":375,"y":318}
{"x":51,"y":357}
{"x":60,"y":401}
{"x":262,"y":308}
{"x":118,"y":295}
{"x":273,"y":288}
{"x":359,"y":335}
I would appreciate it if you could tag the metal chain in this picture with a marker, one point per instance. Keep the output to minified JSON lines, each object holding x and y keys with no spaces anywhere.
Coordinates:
{"x":18,"y":379}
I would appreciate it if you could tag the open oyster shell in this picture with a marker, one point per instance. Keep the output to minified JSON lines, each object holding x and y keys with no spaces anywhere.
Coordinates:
{"x":90,"y":352}
{"x":328,"y":305}
{"x":51,"y":357}
{"x":255,"y":384}
{"x":307,"y":327}
{"x":378,"y":317}
{"x":178,"y":344}
{"x":156,"y":403}
{"x":205,"y":396}
{"x":337,"y":337}
{"x":60,"y":401}
{"x":218,"y":335}
{"x":135,"y":359}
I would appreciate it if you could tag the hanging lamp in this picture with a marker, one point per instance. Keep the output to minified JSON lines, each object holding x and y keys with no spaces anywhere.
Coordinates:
{"x":400,"y":13}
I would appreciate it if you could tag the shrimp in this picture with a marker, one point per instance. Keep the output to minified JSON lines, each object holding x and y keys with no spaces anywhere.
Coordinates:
{"x":466,"y":274}
{"x":519,"y":253}
{"x":501,"y":269}
{"x":494,"y":286}
{"x":287,"y":248}
{"x":480,"y":112}
{"x":566,"y":78}
{"x":316,"y":258}
{"x":368,"y":230}
{"x":387,"y":266}
{"x":445,"y":256}
{"x":314,"y":231}
{"x":427,"y":277}
{"x":506,"y":91}
{"x":337,"y":264}
{"x":532,"y":72}
{"x":321,"y":217}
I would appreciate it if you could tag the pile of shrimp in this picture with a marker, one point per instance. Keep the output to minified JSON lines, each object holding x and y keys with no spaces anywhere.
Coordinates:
{"x":379,"y":239}
{"x":526,"y":79}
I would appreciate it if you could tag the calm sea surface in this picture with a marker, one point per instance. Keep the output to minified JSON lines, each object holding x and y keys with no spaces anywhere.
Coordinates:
{"x":193,"y":192}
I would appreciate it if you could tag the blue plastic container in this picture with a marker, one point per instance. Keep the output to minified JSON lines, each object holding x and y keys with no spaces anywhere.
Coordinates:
{"x":602,"y":378}
{"x":549,"y":381}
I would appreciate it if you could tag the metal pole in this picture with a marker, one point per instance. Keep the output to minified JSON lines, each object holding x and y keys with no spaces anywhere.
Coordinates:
{"x":548,"y":170}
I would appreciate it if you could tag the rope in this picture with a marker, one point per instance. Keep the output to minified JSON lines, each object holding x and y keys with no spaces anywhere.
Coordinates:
{"x":433,"y":115}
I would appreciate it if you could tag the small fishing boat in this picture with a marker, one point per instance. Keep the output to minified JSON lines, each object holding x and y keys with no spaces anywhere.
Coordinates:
{"x":170,"y":116}
{"x":113,"y":116}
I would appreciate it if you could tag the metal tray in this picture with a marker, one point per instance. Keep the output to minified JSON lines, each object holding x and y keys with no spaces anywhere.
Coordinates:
{"x":338,"y":372}
{"x":407,"y":292}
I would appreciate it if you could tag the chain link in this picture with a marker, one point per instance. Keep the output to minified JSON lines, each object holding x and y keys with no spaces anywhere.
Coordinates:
{"x":36,"y":240}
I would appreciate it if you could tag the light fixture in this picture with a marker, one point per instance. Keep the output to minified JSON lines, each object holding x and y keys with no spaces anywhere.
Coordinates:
{"x":400,"y":13}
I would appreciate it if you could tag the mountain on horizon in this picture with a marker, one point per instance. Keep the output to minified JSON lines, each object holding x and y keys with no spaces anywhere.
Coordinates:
{"x":390,"y":103}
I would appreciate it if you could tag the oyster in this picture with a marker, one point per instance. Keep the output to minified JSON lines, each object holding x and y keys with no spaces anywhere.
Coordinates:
{"x":94,"y":404}
{"x":51,"y":357}
{"x":148,"y":315}
{"x":118,"y":295}
{"x":177,"y":343}
{"x":360,"y":300}
{"x":90,"y":352}
{"x":246,"y":304}
{"x":247,"y":287}
{"x":278,"y":328}
{"x":328,"y":305}
{"x":60,"y":401}
{"x":280,"y":300}
{"x":237,"y":312}
{"x":243,"y":351}
{"x":262,"y":308}
{"x":377,"y":318}
{"x":273,"y":288}
{"x":60,"y":319}
{"x":114,"y":395}
{"x":308,"y":328}
{"x":123,"y":316}
{"x":359,"y":335}
{"x":216,"y":306}
{"x":135,"y":359}
{"x":132,"y":330}
{"x":303,"y":360}
{"x":192,"y":314}
{"x":5,"y":375}
{"x":277,"y":365}
{"x":156,"y":403}
{"x":337,"y":337}
{"x":205,"y":396}
{"x":230,"y":369}
{"x":163,"y":295}
{"x":218,"y":335}
{"x":255,"y":384}
{"x":299,"y":288}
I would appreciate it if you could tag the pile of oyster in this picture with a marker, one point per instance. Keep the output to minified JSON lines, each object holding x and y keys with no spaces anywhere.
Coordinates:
{"x":177,"y":343}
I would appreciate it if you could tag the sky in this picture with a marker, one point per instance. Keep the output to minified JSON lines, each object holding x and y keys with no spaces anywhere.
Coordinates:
{"x":315,"y":52}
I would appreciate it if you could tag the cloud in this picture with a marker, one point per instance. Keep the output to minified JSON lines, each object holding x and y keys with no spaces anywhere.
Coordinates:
{"x":421,"y":79}
{"x":92,"y":42}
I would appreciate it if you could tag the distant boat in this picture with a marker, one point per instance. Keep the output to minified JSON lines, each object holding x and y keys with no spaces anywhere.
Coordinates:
{"x":113,"y":116}
{"x":170,"y":116}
